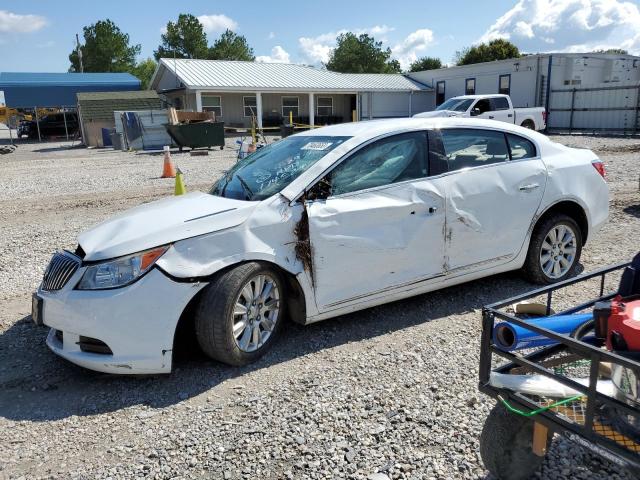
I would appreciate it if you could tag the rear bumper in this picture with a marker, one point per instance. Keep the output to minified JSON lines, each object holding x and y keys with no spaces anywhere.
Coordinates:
{"x":136,"y":322}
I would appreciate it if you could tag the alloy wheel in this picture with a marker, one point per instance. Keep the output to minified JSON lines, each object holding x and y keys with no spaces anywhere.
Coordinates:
{"x":255,"y":313}
{"x":558,"y":252}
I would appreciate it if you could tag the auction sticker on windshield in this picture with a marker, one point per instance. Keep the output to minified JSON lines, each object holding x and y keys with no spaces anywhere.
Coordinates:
{"x":316,"y":146}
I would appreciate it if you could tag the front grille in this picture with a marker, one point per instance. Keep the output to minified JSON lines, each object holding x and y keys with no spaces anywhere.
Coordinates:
{"x":61,"y":267}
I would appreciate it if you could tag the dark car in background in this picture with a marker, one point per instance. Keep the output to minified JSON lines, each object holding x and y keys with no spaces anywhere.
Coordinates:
{"x":51,"y":125}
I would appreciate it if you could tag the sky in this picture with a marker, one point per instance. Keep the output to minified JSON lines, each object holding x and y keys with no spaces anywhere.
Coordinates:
{"x":38,"y":35}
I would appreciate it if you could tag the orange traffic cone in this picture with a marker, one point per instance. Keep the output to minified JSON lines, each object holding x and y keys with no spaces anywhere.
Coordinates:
{"x":168,"y":169}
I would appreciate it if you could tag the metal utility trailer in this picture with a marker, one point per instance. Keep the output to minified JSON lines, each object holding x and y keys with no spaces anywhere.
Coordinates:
{"x":519,"y":429}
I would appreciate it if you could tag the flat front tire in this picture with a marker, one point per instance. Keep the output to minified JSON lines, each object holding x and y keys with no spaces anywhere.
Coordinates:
{"x":554,"y":250}
{"x":240,"y":314}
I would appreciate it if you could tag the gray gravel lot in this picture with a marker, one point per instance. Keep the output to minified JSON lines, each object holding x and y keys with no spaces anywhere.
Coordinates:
{"x":392,"y":389}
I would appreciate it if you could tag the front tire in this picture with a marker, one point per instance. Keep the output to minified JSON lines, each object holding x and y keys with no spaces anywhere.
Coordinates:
{"x":554,"y":250}
{"x":506,"y":445}
{"x":240,"y":314}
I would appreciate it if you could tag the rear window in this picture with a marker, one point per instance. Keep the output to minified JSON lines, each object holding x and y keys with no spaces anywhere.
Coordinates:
{"x":466,"y":148}
{"x":520,"y":147}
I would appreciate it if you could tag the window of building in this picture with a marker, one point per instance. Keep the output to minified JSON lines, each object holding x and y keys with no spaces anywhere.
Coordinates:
{"x":504,"y":84}
{"x":467,"y":147}
{"x":470,"y":86}
{"x":387,"y":161}
{"x":250,"y":106}
{"x":440,"y":91}
{"x":212,"y":103}
{"x":325,"y":106}
{"x":520,"y":147}
{"x":290,"y":104}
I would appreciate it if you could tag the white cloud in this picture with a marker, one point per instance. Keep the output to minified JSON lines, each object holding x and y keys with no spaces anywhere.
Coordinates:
{"x":278,"y":55}
{"x":569,"y":25}
{"x":271,"y":35}
{"x":217,"y":23}
{"x":412,"y":47}
{"x":16,"y":23}
{"x":317,"y":49}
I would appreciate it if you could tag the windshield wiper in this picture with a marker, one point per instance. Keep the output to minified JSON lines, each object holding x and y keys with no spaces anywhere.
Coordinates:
{"x":245,"y":187}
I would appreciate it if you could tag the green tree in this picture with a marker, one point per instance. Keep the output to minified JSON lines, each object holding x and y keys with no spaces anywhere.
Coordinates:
{"x":183,"y":39}
{"x":425,"y":63}
{"x":105,"y":49}
{"x":231,"y":46}
{"x":144,"y":71}
{"x":361,"y":54}
{"x":498,"y":49}
{"x":614,"y":51}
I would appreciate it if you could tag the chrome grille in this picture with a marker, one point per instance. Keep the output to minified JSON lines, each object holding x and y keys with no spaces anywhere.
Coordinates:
{"x":61,"y":267}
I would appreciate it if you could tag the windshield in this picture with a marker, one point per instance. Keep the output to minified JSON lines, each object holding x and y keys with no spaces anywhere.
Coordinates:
{"x":456,"y":104}
{"x":272,"y":168}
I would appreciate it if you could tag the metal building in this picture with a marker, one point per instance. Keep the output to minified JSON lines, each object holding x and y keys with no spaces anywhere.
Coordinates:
{"x":590,"y":91}
{"x":236,"y":91}
{"x":29,"y":90}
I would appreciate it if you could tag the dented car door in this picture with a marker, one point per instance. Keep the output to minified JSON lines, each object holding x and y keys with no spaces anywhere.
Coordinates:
{"x":495,"y":186}
{"x":380,"y":227}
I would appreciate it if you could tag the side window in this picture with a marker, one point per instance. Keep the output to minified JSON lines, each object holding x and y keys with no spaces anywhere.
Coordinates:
{"x":483,"y":105}
{"x":520,"y":147}
{"x":390,"y":160}
{"x":500,"y":103}
{"x":504,"y":84}
{"x":466,"y":148}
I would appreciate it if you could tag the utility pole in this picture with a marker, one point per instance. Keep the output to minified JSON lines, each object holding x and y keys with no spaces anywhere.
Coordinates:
{"x":79,"y":50}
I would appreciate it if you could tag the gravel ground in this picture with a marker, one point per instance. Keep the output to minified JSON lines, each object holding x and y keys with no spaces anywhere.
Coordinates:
{"x":391,"y":390}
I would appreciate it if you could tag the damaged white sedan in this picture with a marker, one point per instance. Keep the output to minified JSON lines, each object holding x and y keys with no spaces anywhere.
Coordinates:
{"x":317,"y":225}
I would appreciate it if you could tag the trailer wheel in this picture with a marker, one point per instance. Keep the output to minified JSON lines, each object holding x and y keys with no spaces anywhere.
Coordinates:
{"x":506,"y":445}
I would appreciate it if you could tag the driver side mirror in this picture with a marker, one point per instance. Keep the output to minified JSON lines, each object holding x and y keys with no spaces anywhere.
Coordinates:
{"x":475,"y":111}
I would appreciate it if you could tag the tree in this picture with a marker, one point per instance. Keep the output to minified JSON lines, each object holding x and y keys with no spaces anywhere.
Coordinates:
{"x":183,"y":39}
{"x":144,"y":71}
{"x":613,"y":51}
{"x":105,"y":49}
{"x":361,"y":54}
{"x":231,"y":46}
{"x":498,"y":49}
{"x":425,"y":63}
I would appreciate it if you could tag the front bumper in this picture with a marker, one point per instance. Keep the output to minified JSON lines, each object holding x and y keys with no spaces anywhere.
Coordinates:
{"x":136,"y":322}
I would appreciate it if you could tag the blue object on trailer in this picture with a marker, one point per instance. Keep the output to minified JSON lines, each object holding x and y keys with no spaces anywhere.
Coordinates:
{"x":510,"y":337}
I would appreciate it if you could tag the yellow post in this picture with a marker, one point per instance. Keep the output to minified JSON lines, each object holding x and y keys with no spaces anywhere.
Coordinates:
{"x":253,"y":130}
{"x":290,"y":117}
{"x":354,"y":116}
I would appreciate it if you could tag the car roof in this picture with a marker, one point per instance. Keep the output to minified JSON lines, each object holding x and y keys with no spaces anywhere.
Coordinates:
{"x":368,"y":129}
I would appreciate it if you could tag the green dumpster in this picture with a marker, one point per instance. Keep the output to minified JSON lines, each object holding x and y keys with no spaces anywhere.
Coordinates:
{"x":197,"y":135}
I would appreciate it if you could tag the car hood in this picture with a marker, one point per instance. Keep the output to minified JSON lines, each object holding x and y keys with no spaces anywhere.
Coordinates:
{"x":438,"y":114}
{"x":162,"y":222}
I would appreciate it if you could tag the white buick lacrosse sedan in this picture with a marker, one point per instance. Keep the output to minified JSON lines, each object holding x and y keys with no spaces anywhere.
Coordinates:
{"x":316,"y":225}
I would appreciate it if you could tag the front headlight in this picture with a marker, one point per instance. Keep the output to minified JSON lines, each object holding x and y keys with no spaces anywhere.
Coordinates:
{"x":120,"y":271}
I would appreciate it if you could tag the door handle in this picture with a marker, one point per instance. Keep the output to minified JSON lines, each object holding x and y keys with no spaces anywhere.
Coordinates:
{"x":510,"y":115}
{"x":531,"y":186}
{"x":433,"y":210}
{"x":490,"y":116}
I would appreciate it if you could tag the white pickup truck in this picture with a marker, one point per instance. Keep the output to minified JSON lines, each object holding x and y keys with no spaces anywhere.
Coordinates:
{"x":491,"y":107}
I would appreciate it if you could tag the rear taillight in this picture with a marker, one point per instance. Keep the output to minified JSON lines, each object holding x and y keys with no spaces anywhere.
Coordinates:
{"x":544,"y":116}
{"x":599,"y":166}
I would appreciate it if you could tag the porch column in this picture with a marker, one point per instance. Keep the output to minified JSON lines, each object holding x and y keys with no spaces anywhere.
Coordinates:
{"x":198,"y":101}
{"x":312,"y":110}
{"x":259,"y":110}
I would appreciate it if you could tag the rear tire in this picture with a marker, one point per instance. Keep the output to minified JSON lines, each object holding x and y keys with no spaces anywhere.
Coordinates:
{"x":240,"y":314}
{"x":528,"y":124}
{"x":506,"y":445}
{"x":545,"y":251}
